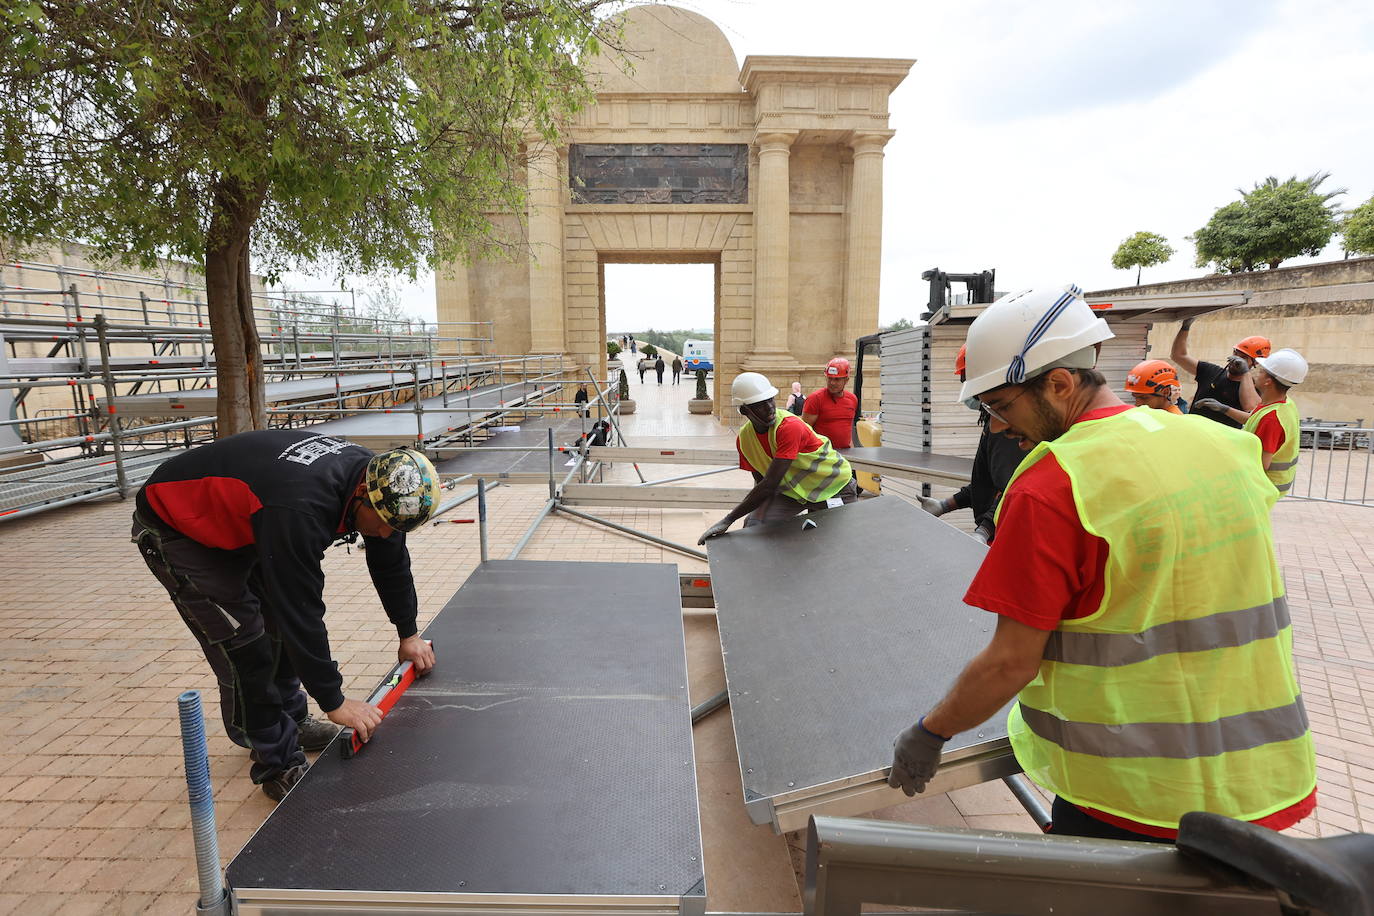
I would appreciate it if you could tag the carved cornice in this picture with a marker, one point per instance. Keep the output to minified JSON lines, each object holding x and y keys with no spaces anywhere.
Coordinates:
{"x":883,"y":71}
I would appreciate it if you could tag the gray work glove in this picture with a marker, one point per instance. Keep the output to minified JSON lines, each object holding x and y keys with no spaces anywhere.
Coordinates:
{"x":935,"y":507}
{"x":1237,"y":365}
{"x":1210,"y":404}
{"x":915,"y":758}
{"x":715,"y":530}
{"x":982,"y":535}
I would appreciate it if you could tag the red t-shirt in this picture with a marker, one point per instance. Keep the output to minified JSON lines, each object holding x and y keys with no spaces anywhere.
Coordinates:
{"x":834,"y":416}
{"x":794,"y":437}
{"x":1270,"y":430}
{"x":1044,"y":568}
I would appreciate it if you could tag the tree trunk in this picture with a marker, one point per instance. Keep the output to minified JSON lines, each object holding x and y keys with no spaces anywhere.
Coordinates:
{"x":1137,"y":274}
{"x":240,"y":402}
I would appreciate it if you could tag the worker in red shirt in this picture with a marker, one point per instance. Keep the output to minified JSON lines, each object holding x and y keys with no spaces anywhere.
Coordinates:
{"x":794,"y":469}
{"x":1150,"y":660}
{"x":830,"y":410}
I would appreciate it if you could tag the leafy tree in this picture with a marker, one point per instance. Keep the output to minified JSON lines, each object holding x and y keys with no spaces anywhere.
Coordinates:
{"x":1358,"y":229}
{"x":1273,"y":221}
{"x":901,"y":324}
{"x":612,"y":349}
{"x":1144,"y":249}
{"x":672,"y":341}
{"x":350,"y":136}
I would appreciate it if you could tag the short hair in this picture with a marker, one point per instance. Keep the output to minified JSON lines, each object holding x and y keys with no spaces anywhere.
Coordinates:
{"x":1091,"y":378}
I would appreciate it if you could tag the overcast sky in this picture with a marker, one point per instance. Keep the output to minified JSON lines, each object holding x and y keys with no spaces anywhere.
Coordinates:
{"x":1034,"y":137}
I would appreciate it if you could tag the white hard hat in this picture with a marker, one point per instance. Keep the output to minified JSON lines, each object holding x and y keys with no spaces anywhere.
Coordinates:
{"x":1286,"y":365}
{"x":750,"y":388}
{"x":1026,"y":334}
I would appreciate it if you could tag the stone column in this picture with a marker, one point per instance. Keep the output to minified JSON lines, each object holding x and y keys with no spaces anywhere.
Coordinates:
{"x":454,"y":304}
{"x":772,"y":252}
{"x":864,"y":244}
{"x":546,"y":249}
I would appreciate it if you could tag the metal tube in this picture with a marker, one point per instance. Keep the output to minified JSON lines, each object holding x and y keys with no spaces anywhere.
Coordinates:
{"x":552,"y":485}
{"x":202,"y":799}
{"x":611,"y":414}
{"x":1029,"y":800}
{"x":104,"y":343}
{"x":710,"y":705}
{"x":651,"y":538}
{"x":534,"y":526}
{"x":706,"y":473}
{"x":482,"y":516}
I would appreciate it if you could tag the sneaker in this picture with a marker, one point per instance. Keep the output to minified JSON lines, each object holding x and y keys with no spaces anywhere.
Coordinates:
{"x":315,"y":734}
{"x":276,"y":787}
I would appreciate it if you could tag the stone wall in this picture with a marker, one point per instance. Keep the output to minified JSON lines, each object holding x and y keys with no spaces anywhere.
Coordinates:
{"x":1324,"y":311}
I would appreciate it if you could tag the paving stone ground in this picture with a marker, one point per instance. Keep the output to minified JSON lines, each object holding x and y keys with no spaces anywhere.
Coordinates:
{"x":93,"y":814}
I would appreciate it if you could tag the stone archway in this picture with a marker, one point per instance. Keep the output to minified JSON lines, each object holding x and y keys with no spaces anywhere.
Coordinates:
{"x":773,"y":171}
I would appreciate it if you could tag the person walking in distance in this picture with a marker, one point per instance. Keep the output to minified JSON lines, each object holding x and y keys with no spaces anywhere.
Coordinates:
{"x":677,"y":369}
{"x":659,"y":366}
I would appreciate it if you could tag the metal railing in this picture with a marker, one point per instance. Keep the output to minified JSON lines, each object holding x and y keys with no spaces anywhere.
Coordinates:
{"x":1334,"y":464}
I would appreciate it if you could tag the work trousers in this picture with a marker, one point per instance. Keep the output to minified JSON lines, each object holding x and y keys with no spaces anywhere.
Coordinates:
{"x":780,"y":508}
{"x":1067,"y":819}
{"x":217,"y":593}
{"x":677,"y":377}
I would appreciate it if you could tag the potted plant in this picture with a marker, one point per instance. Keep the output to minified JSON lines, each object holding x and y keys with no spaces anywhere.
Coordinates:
{"x":612,"y":355}
{"x":701,"y":403}
{"x":622,"y":390}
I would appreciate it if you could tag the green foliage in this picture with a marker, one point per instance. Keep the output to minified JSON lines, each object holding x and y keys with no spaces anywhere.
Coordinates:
{"x":901,"y":324}
{"x":622,"y":390}
{"x":1273,"y":221}
{"x":649,"y":350}
{"x":701,"y":394}
{"x":672,"y":341}
{"x":1358,"y":229}
{"x":1144,"y":249}
{"x":612,"y":349}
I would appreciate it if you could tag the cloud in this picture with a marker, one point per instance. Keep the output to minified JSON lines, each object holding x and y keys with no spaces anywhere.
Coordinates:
{"x":1052,"y":59}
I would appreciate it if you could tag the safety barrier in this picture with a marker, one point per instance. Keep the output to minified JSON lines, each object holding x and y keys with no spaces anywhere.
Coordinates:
{"x":1334,"y":464}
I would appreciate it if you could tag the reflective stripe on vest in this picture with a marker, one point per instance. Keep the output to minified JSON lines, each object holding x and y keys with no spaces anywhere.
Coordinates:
{"x":813,"y":477}
{"x":1283,"y":467}
{"x":1178,"y":692}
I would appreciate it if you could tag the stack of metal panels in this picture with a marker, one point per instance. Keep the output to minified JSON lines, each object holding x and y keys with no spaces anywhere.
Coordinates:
{"x":904,"y":380}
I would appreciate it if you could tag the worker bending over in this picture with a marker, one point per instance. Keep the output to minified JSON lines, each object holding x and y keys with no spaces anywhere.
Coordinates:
{"x":993,"y":464}
{"x":830,"y":411}
{"x":1154,"y":384}
{"x":795,"y":470}
{"x":1275,"y":421}
{"x":1151,"y":660}
{"x":235,"y":531}
{"x":1229,"y":384}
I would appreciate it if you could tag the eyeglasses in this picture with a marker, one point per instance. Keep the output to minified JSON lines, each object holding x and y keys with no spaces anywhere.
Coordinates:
{"x":995,"y":413}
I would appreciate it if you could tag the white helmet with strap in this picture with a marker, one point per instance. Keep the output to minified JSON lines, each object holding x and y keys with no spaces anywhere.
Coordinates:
{"x":1026,"y":334}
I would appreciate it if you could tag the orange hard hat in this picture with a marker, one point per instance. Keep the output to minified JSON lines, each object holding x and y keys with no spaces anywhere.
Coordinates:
{"x":1150,"y":377}
{"x":837,"y":368}
{"x":961,"y":361}
{"x":1255,"y":347}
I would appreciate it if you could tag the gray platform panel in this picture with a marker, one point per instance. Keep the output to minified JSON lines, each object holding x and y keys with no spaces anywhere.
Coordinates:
{"x":484,"y":461}
{"x":837,"y":638}
{"x":381,"y":431}
{"x":910,"y":463}
{"x":546,"y":763}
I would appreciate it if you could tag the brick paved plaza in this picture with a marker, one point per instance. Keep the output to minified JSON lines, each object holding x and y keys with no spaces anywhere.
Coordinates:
{"x":93,"y":814}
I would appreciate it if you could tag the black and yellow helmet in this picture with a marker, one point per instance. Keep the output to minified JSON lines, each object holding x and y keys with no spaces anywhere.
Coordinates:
{"x":403,"y":486}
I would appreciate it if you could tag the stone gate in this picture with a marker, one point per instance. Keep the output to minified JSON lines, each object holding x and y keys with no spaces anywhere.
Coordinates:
{"x":772,"y":172}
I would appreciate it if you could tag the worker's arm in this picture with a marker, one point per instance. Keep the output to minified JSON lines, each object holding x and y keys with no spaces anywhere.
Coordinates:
{"x":1249,"y":395}
{"x":764,"y":488}
{"x":994,"y":676}
{"x":809,"y":418}
{"x":1240,"y":416}
{"x":1179,"y":351}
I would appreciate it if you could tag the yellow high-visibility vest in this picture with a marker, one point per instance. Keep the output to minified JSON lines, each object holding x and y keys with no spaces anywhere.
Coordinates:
{"x":1284,"y":467}
{"x":1178,"y":693}
{"x":813,"y":477}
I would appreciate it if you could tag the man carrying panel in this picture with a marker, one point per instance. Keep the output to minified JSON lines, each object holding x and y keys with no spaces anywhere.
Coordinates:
{"x":1154,"y":384}
{"x":1151,"y":660}
{"x":1275,"y":421}
{"x":995,"y":461}
{"x":795,"y":470}
{"x":235,"y":531}
{"x":830,"y":410}
{"x":1229,"y":384}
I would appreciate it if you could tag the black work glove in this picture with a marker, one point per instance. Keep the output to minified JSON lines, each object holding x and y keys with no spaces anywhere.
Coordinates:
{"x":1209,"y":404}
{"x":1235,"y":365}
{"x":1187,"y":323}
{"x":915,"y":758}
